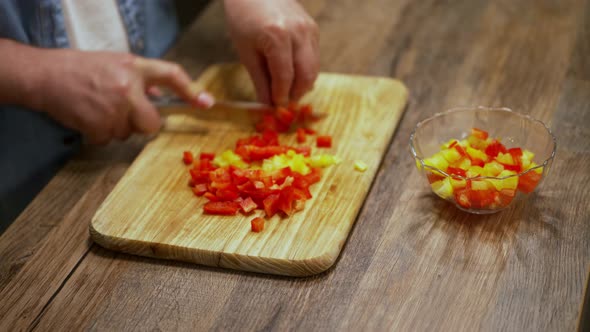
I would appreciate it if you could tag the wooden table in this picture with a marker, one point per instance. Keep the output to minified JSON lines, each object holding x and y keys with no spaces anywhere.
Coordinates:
{"x":409,"y":263}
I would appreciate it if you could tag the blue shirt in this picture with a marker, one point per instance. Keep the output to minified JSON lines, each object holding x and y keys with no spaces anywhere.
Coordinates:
{"x":32,"y":146}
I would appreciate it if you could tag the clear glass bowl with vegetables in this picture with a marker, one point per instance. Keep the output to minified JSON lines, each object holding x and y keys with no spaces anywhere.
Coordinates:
{"x":483,"y":159}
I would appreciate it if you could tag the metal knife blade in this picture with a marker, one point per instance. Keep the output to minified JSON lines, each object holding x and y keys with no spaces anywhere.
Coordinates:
{"x":174,"y":101}
{"x":222,"y":110}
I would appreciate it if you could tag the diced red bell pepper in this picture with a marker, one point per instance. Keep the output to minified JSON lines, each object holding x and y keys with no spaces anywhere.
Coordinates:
{"x":248,"y":205}
{"x":220,"y":175}
{"x":270,"y":137}
{"x":529,"y":181}
{"x":257,"y":224}
{"x":460,"y":149}
{"x":222,"y":208}
{"x":260,"y":194}
{"x":516,"y":154}
{"x":303,"y":150}
{"x":200,"y":189}
{"x":433,"y":177}
{"x":494,"y":148}
{"x":301,"y":194}
{"x":453,"y":144}
{"x":199,"y":176}
{"x":482,"y":199}
{"x":227,"y":194}
{"x":481,"y":134}
{"x":314,"y":176}
{"x":285,"y":116}
{"x":238,"y":176}
{"x":506,"y":196}
{"x":309,"y":131}
{"x":260,"y":153}
{"x":187,"y":157}
{"x":301,"y":135}
{"x":306,"y":113}
{"x":271,"y":205}
{"x":324,"y":141}
{"x":286,"y":199}
{"x":269,"y":122}
{"x":516,"y":168}
{"x":279,"y":176}
{"x":206,"y":156}
{"x":211,"y":197}
{"x":477,"y":162}
{"x":456,"y":171}
{"x":462,"y":197}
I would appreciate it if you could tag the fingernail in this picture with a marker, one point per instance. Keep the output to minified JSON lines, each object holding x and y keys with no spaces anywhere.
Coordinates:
{"x":205,"y":99}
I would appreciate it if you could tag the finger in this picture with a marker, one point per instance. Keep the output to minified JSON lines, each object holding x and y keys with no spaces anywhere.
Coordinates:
{"x":122,"y":129}
{"x":97,"y":127}
{"x":258,"y":71}
{"x":154,"y":91}
{"x":98,"y":137}
{"x":306,"y":67}
{"x":279,"y":59}
{"x":144,"y":117}
{"x":171,"y":75}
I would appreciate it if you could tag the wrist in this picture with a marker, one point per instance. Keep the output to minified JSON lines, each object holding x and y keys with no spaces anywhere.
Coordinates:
{"x":22,"y":74}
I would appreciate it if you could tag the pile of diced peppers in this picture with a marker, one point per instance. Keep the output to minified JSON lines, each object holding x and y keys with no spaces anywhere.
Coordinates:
{"x":260,"y":172}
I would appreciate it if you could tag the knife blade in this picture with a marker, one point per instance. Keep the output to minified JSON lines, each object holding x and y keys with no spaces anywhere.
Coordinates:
{"x":175,"y":101}
{"x":222,"y":110}
{"x":240,"y":112}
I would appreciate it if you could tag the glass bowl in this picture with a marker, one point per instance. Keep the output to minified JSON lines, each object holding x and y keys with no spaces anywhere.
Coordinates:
{"x":512,"y":128}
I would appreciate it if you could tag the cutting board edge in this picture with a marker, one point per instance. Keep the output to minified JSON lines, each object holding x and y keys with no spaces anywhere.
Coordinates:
{"x":304,"y":267}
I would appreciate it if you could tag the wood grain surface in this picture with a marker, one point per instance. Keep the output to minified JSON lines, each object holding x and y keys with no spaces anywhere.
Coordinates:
{"x":152,"y":212}
{"x":412,"y":262}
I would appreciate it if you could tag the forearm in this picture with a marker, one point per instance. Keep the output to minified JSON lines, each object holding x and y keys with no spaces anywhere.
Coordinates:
{"x":21,"y":73}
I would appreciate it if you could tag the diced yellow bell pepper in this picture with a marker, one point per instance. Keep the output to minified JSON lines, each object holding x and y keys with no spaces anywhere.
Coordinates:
{"x":478,"y":143}
{"x":474,"y":171}
{"x":438,"y":161}
{"x":296,"y":162}
{"x":360,"y":166}
{"x":480,"y":185}
{"x":509,"y":183}
{"x":323,"y":160}
{"x":505,"y":158}
{"x":528,"y":154}
{"x":443,"y":188}
{"x":464,"y":163}
{"x":458,"y":183}
{"x":418,"y":164}
{"x":228,"y":158}
{"x":537,"y":170}
{"x":492,"y":168}
{"x":476,"y":154}
{"x":527,"y":158}
{"x":447,"y":144}
{"x":451,"y":155}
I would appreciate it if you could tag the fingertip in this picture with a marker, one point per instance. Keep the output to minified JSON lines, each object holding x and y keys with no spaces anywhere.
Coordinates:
{"x":205,"y":100}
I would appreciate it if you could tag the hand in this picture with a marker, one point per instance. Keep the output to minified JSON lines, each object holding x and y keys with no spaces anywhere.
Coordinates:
{"x":103,"y":94}
{"x":277,"y":41}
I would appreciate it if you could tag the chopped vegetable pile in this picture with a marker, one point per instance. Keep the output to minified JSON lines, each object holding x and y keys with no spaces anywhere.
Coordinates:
{"x":468,"y":162}
{"x":260,"y":172}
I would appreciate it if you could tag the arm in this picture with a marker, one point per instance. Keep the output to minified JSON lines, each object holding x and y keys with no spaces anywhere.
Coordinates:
{"x":101,"y":94}
{"x":278,"y":42}
{"x":18,"y":68}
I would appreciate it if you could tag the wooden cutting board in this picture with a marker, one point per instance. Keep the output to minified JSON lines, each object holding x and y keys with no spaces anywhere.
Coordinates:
{"x":152,"y":211}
